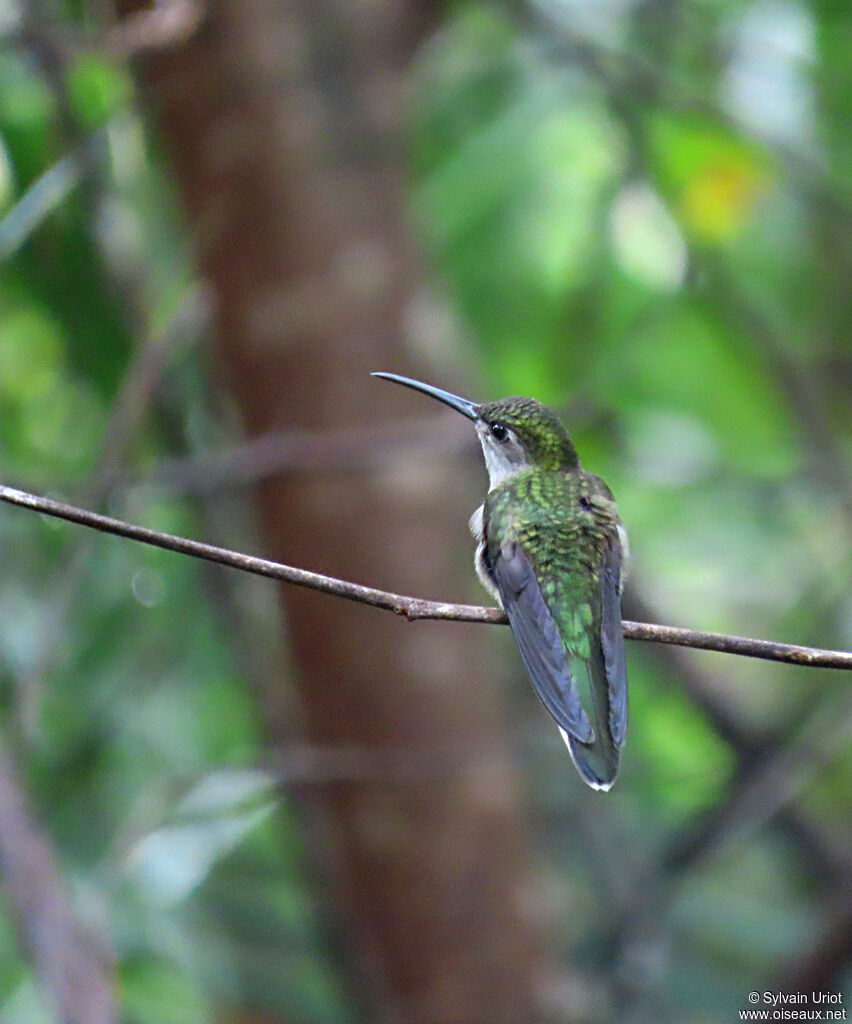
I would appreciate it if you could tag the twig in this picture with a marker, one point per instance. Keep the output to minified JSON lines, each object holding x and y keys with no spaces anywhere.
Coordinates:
{"x":760,"y":791}
{"x":128,"y":409}
{"x":75,"y":972}
{"x":412,"y":607}
{"x":748,"y":745}
{"x":630,"y":76}
{"x":46,"y":193}
{"x":820,"y":966}
{"x":698,"y":686}
{"x":165,"y":25}
{"x":336,"y":450}
{"x":302,"y":451}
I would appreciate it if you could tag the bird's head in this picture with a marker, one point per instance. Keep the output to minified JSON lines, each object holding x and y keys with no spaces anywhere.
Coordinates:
{"x":515,"y":433}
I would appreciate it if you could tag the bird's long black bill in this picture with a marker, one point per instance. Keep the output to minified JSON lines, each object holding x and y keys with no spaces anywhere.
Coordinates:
{"x":462,"y":405}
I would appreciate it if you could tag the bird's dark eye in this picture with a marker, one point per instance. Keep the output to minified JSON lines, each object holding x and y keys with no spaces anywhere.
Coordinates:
{"x":499,"y":432}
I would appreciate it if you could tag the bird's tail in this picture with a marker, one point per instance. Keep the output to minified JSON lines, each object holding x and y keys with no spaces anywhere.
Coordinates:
{"x":597,"y":761}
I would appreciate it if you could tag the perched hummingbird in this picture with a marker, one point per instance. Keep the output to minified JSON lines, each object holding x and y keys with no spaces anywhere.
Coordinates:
{"x":550,"y":549}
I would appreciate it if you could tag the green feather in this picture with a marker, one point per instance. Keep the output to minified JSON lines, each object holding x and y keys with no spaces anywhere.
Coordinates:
{"x":566,"y":522}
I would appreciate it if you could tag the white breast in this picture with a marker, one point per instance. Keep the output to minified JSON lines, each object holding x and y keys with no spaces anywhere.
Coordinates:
{"x":478,"y":532}
{"x":625,"y":553}
{"x":475,"y":523}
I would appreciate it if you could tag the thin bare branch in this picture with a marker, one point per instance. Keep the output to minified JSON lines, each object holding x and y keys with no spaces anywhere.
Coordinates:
{"x":747,"y":647}
{"x":74,"y":970}
{"x":168,"y":23}
{"x":165,"y":25}
{"x":412,"y":607}
{"x":47,"y":192}
{"x":305,"y":451}
{"x":637,"y":78}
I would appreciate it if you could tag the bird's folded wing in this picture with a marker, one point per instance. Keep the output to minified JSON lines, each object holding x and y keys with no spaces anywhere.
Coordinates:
{"x":539,"y":642}
{"x":612,"y":642}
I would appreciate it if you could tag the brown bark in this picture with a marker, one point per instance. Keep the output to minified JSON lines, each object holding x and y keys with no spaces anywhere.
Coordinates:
{"x":283,"y":121}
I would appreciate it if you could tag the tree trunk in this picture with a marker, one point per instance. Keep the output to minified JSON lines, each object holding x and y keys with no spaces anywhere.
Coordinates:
{"x":283,"y":122}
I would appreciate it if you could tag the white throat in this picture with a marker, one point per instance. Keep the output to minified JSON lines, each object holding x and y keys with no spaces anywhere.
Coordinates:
{"x":503,"y":461}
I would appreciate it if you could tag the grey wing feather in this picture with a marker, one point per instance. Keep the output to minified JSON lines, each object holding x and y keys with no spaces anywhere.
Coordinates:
{"x":539,"y":642}
{"x":612,"y":642}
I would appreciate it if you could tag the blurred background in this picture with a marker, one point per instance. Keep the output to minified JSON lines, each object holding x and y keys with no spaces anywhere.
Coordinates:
{"x":225,"y":801}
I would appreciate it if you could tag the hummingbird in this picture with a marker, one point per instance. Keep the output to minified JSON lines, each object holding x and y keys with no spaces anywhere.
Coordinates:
{"x":552,"y":551}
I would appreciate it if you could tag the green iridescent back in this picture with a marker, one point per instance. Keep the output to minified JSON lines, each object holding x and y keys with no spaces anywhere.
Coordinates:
{"x":563,"y":522}
{"x":567,"y":526}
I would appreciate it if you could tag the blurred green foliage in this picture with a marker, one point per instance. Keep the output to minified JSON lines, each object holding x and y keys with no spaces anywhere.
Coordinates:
{"x":633,"y":234}
{"x":624,"y":232}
